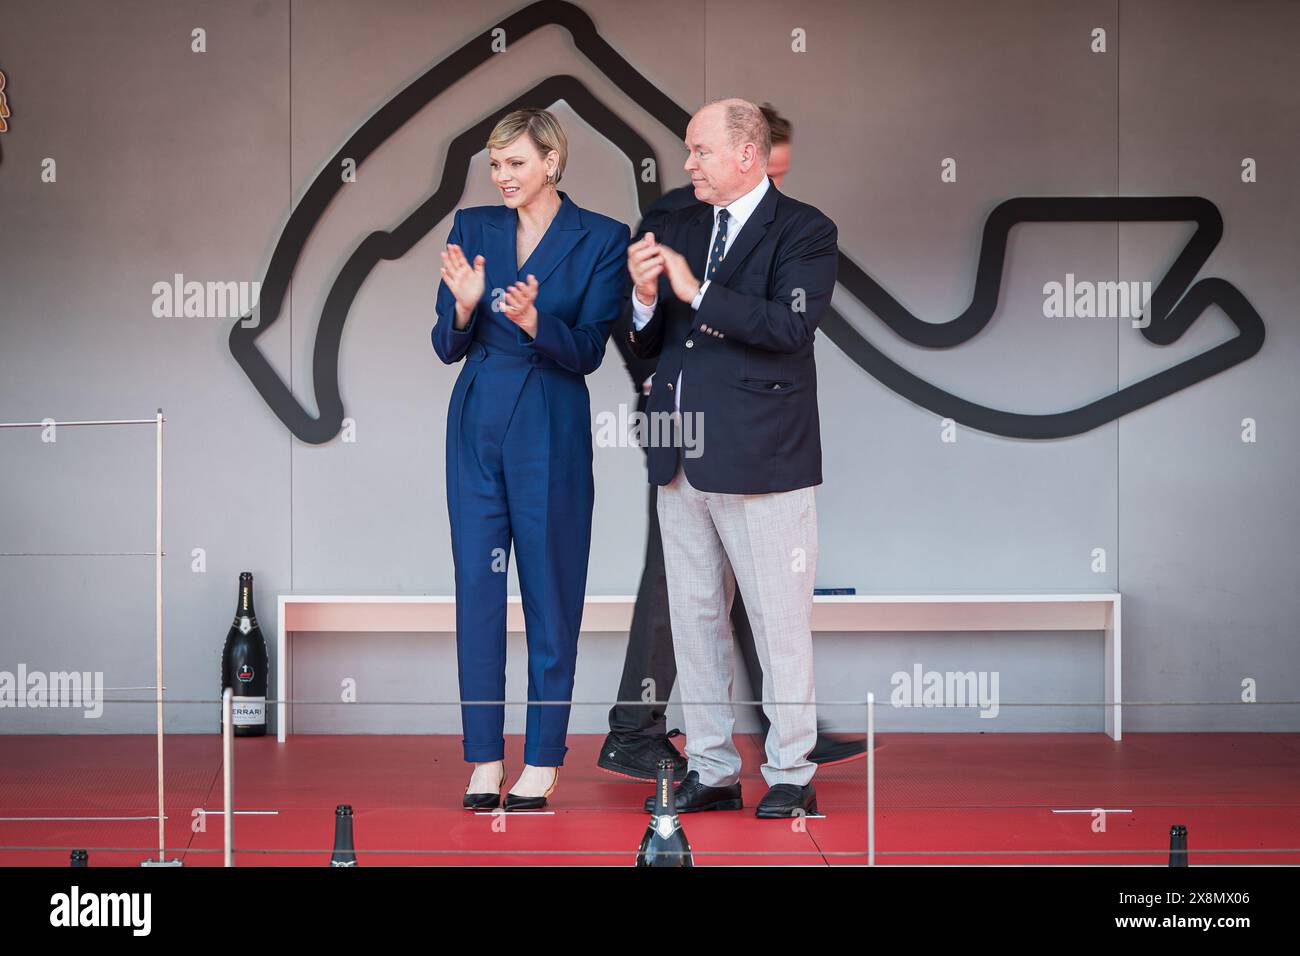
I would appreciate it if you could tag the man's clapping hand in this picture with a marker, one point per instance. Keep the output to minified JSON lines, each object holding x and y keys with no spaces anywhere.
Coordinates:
{"x":645,"y":265}
{"x":685,"y":286}
{"x":647,"y":260}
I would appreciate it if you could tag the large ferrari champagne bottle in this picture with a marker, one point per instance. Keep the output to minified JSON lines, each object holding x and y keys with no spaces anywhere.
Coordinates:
{"x":664,"y":843}
{"x":243,"y":666}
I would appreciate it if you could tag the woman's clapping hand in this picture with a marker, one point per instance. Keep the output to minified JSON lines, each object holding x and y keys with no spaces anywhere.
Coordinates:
{"x":518,"y":305}
{"x":466,"y":282}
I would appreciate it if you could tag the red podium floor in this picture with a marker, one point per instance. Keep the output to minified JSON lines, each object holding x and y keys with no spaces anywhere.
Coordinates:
{"x":941,"y":799}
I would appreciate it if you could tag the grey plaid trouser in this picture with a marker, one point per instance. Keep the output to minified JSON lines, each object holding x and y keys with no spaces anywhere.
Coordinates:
{"x":767,"y":545}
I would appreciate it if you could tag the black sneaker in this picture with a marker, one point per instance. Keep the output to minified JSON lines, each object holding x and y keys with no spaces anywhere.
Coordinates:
{"x":829,"y":750}
{"x":637,"y":756}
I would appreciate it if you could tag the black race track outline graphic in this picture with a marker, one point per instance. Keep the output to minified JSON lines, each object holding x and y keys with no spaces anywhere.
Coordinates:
{"x":1170,"y":315}
{"x":1175,"y":304}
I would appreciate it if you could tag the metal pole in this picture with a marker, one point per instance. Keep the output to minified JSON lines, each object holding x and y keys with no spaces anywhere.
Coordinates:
{"x":157,"y":421}
{"x":117,"y":421}
{"x":228,"y":773}
{"x":871,"y":779}
{"x":158,"y":628}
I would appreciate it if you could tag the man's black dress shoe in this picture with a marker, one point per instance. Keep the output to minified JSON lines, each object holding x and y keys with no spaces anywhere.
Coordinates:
{"x":692,"y":796}
{"x":831,"y":750}
{"x":637,"y":756}
{"x":788,"y":800}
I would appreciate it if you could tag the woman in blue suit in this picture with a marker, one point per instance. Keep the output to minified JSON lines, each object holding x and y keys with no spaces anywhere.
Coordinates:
{"x":529,"y":291}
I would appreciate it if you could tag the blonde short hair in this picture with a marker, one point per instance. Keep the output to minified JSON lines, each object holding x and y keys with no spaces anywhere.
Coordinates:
{"x":542,"y":128}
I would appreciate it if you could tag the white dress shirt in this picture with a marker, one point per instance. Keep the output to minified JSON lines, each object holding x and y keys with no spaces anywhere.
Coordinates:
{"x":738,"y":212}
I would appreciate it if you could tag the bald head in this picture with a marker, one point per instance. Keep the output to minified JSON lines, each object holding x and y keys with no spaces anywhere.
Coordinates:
{"x":729,"y":142}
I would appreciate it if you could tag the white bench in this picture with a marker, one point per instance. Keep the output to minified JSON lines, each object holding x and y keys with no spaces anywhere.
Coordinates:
{"x":431,"y":613}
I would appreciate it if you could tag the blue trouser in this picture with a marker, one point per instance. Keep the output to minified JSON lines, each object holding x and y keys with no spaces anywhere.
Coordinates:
{"x":518,"y":469}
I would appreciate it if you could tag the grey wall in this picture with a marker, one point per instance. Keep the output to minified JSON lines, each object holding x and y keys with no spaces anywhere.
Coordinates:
{"x":170,"y":161}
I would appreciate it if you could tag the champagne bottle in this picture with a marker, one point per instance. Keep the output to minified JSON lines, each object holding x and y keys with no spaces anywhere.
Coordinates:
{"x":664,"y":843}
{"x":243,"y":666}
{"x":1178,"y":845}
{"x":345,"y":851}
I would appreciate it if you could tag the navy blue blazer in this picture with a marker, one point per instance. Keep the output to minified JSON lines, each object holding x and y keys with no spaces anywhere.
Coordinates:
{"x":580,"y":264}
{"x":752,"y":377}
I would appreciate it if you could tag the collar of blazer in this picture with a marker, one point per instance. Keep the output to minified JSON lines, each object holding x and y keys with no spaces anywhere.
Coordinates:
{"x":561,"y":236}
{"x":755,"y":228}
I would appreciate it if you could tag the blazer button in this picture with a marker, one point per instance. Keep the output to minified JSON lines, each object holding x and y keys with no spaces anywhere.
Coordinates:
{"x":533,"y":359}
{"x":690,"y":343}
{"x":670,"y":386}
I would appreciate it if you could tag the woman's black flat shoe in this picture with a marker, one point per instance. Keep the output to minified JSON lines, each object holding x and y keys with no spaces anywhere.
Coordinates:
{"x":486,"y":801}
{"x":516,"y":802}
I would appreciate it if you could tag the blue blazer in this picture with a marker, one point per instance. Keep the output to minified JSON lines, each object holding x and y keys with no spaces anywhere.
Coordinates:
{"x":581,"y":269}
{"x":751,"y":375}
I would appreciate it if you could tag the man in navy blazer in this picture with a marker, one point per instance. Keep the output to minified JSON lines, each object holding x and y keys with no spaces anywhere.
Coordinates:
{"x":638,"y":735}
{"x":728,"y":298}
